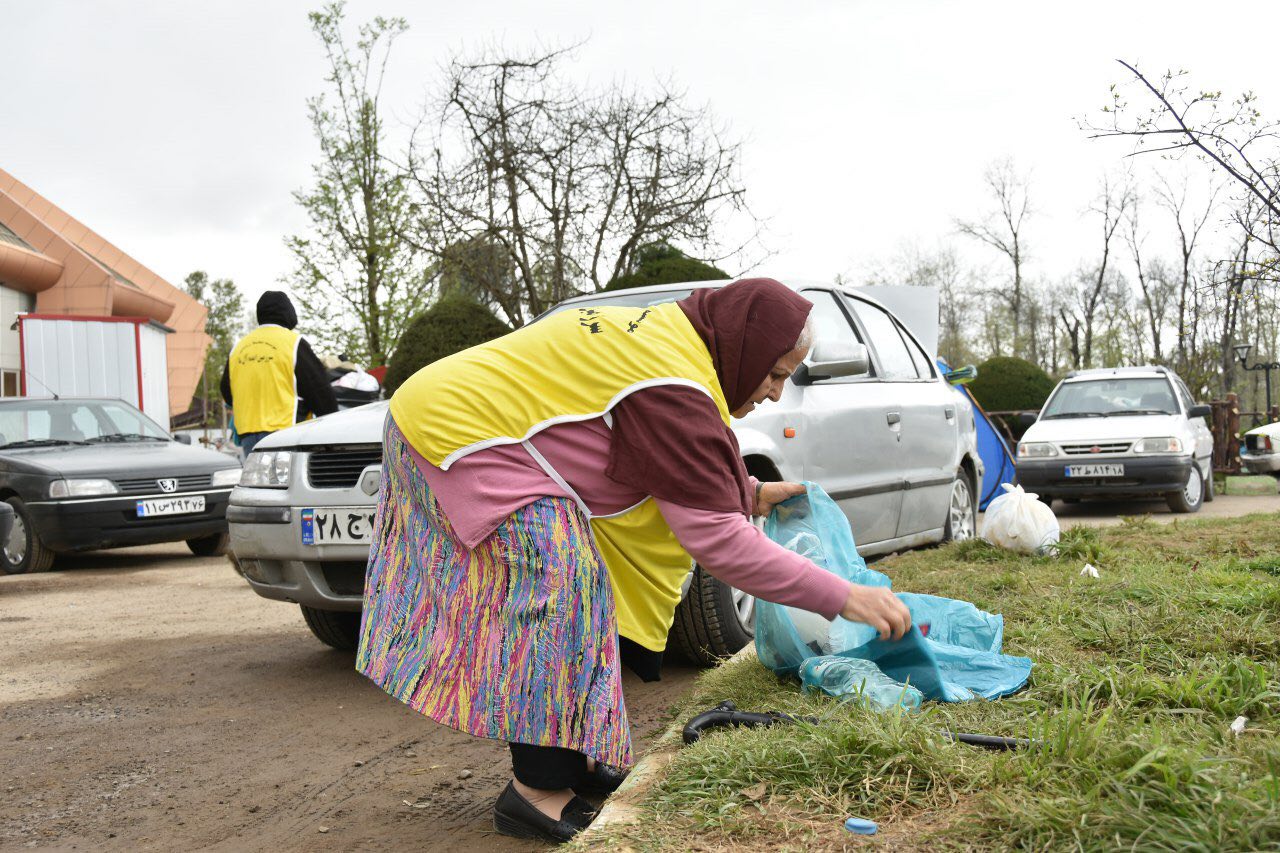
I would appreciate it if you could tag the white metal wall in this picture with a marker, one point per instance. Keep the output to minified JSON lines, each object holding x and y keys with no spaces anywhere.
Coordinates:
{"x":91,"y":358}
{"x":155,"y":374}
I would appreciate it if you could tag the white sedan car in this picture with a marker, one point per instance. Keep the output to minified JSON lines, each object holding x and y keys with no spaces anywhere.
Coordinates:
{"x":870,"y":418}
{"x":1260,"y":451}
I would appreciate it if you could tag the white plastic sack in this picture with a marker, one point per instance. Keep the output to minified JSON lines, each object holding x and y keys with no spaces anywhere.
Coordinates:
{"x":1019,"y":521}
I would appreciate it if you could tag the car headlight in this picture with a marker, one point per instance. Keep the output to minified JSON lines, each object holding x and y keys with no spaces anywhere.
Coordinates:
{"x":1035,"y":449}
{"x":1165,"y":444}
{"x":267,"y":469}
{"x":225,"y":477}
{"x":81,"y":488}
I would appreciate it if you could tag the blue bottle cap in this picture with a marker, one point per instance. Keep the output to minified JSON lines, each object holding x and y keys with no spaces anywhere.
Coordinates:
{"x":861,"y":827}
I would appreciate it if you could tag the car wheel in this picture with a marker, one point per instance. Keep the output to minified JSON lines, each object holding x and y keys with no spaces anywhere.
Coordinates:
{"x":1210,"y":488}
{"x":1047,"y":500}
{"x":1191,"y":498}
{"x":213,"y":545}
{"x":337,"y":628}
{"x":962,"y":516}
{"x":713,"y":620}
{"x":22,"y":549}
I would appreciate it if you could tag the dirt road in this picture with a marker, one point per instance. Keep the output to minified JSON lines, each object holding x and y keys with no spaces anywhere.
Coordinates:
{"x":149,"y":700}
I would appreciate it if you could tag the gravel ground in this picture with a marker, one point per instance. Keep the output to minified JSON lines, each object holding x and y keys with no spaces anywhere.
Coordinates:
{"x":149,"y":700}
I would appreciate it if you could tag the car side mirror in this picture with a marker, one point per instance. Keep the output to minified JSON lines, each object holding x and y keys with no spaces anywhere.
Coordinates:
{"x":833,"y":361}
{"x":1026,"y":419}
{"x":1200,"y":410}
{"x":961,"y":375}
{"x":181,"y":438}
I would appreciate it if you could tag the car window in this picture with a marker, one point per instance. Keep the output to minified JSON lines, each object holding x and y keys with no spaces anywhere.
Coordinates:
{"x":1137,"y":395}
{"x":830,"y":325}
{"x":894,"y":358}
{"x":1187,"y":400}
{"x":924,"y":367}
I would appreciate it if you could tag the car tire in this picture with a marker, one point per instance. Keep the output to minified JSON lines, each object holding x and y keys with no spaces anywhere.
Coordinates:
{"x":1210,"y":488}
{"x":1047,"y":500}
{"x":713,"y":620}
{"x":962,"y":511}
{"x":22,"y":551}
{"x":1191,"y":498}
{"x":337,"y":628}
{"x":213,"y":545}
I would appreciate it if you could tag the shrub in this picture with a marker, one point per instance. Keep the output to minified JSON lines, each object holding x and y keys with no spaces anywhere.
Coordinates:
{"x":451,"y":325}
{"x":662,"y":264}
{"x":1007,"y":384}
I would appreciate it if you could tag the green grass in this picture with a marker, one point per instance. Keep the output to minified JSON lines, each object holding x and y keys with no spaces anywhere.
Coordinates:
{"x":1138,"y":675}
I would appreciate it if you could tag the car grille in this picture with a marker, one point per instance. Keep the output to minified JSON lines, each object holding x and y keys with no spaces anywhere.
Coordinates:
{"x":139,"y":485}
{"x":1088,"y":449}
{"x":340,"y":468}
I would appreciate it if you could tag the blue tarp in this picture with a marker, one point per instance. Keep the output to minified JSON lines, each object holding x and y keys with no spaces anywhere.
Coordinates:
{"x":960,"y":659}
{"x":995,"y":453}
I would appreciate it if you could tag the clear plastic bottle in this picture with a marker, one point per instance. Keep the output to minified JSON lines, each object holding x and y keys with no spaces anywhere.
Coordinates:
{"x":854,"y":679}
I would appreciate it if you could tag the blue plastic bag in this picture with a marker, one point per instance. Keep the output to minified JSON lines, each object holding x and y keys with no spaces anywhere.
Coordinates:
{"x":959,"y":660}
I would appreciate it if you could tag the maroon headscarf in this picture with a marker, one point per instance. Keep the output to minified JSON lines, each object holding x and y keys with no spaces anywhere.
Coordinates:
{"x":669,"y":441}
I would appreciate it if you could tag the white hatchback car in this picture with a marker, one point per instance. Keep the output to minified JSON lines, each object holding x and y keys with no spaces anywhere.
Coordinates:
{"x":1125,"y":431}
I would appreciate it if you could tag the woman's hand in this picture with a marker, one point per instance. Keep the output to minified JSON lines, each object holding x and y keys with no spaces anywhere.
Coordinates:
{"x":878,"y":607}
{"x":770,"y":495}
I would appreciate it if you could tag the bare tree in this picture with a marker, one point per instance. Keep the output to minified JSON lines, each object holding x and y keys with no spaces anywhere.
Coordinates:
{"x":569,"y":183}
{"x":1233,"y":137}
{"x":352,"y":264}
{"x":1113,"y":206}
{"x":1189,"y":224}
{"x":1003,"y":231}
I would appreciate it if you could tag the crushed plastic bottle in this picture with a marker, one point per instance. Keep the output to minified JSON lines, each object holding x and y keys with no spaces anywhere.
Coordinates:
{"x":854,"y":679}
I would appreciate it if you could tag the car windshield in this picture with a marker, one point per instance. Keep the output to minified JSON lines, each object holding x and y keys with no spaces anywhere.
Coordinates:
{"x":1100,"y":398}
{"x":625,"y":299}
{"x":40,"y":422}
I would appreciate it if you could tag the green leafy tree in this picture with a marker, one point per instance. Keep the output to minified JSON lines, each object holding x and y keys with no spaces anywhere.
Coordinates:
{"x":224,"y":323}
{"x":451,"y":325}
{"x":355,"y":275}
{"x":659,"y":263}
{"x":1006,"y":384}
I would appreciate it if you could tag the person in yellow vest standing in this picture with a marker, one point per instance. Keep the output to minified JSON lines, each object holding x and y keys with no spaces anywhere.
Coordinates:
{"x":543,"y":498}
{"x":272,"y":377}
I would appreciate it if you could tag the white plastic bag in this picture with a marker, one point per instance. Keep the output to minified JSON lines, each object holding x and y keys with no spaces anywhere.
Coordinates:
{"x":1019,"y":521}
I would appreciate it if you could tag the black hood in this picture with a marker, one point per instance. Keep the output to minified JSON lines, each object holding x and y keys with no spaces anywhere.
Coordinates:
{"x":274,"y":307}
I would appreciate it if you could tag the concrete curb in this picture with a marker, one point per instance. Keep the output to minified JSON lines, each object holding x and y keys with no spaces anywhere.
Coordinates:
{"x":622,"y":809}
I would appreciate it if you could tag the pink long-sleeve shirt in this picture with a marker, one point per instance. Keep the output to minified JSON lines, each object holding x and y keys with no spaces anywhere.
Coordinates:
{"x":481,"y":490}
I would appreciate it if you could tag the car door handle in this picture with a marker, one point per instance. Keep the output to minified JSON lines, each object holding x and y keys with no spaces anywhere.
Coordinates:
{"x":950,"y":412}
{"x":894,"y":418}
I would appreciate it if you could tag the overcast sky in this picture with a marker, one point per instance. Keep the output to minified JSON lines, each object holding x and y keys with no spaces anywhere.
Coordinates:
{"x":178,"y":130}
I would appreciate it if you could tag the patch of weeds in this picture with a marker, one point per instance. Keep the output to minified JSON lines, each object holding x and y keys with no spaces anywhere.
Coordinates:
{"x":1083,"y":544}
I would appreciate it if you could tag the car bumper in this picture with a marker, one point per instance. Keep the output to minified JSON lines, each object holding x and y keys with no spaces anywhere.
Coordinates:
{"x":1260,"y":463}
{"x":266,"y":539}
{"x":87,"y":523}
{"x":1154,"y":475}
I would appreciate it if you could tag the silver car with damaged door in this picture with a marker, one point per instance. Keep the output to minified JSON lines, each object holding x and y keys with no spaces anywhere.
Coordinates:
{"x":868,"y":416}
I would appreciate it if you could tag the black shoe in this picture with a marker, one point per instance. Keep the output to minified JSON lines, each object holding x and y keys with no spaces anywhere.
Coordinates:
{"x":602,"y":781}
{"x":515,"y":816}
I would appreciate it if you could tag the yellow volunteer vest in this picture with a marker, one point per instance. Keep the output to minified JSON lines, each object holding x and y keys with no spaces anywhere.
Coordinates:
{"x":264,"y":388}
{"x":572,"y":366}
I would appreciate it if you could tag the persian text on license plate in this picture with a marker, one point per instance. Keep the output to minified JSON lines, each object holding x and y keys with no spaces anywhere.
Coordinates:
{"x":170,"y":506}
{"x":337,"y":525}
{"x":1095,"y":470}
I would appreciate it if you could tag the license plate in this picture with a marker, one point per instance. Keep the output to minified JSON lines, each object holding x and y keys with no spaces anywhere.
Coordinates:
{"x":170,"y":506}
{"x":1095,"y":470}
{"x":337,"y":525}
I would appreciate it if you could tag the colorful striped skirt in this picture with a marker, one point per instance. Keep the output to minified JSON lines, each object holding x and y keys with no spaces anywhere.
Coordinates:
{"x":515,"y":640}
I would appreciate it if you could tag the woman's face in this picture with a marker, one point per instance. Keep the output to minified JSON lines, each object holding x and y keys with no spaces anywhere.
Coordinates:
{"x":771,"y":387}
